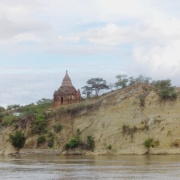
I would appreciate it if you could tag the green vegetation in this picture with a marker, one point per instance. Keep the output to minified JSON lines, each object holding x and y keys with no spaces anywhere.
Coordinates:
{"x":165,"y":90}
{"x":75,"y":142}
{"x":41,"y":140}
{"x":57,"y":127}
{"x":74,"y":109}
{"x":90,"y":143}
{"x":17,"y":140}
{"x":122,"y":81}
{"x":126,"y":130}
{"x":8,"y":120}
{"x":156,"y":143}
{"x":96,"y":85}
{"x":109,"y":147}
{"x":148,"y":143}
{"x":39,"y":124}
{"x":50,"y":140}
{"x":2,"y":109}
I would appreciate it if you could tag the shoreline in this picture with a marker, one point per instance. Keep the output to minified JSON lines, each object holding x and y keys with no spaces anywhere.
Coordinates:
{"x":57,"y":152}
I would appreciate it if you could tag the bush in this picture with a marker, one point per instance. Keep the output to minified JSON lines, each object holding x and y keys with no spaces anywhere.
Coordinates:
{"x":90,"y":143}
{"x":128,"y":130}
{"x":41,"y":140}
{"x":156,"y":143}
{"x":125,"y":128}
{"x":17,"y":140}
{"x":8,"y":120}
{"x":39,"y":124}
{"x":148,"y":143}
{"x":75,"y":142}
{"x":57,"y":128}
{"x":50,"y":140}
{"x":109,"y":147}
{"x":165,"y":90}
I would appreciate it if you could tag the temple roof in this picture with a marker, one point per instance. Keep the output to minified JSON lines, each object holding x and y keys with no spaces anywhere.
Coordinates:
{"x":66,"y":88}
{"x":66,"y":81}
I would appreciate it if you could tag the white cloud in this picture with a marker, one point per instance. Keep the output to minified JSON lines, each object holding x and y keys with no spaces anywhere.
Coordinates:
{"x":149,"y":30}
{"x":109,"y":35}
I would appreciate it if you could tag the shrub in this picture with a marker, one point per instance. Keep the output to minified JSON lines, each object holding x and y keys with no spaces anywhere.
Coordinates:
{"x":50,"y":140}
{"x":128,"y":130}
{"x":148,"y":143}
{"x":125,"y":128}
{"x":74,"y":143}
{"x":39,"y":124}
{"x":41,"y":140}
{"x":8,"y":120}
{"x":165,"y":90}
{"x":57,"y":128}
{"x":109,"y":147}
{"x":90,"y":143}
{"x":156,"y":143}
{"x":17,"y":140}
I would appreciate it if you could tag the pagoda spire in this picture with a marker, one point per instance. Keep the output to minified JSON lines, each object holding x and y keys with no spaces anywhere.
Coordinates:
{"x":66,"y":80}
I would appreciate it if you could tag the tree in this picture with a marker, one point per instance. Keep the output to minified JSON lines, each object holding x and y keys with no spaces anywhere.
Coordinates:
{"x":97,"y":84}
{"x":17,"y":140}
{"x":44,"y":101}
{"x":122,"y":81}
{"x":162,"y":84}
{"x":143,"y":79}
{"x":2,"y":109}
{"x":87,"y":91}
{"x":111,"y":86}
{"x":131,"y":81}
{"x":13,"y":107}
{"x":165,"y":90}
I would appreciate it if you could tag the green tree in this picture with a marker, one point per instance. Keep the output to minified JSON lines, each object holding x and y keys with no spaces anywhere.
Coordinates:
{"x":87,"y":91}
{"x":44,"y":101}
{"x":122,"y":81}
{"x":2,"y":109}
{"x":13,"y":107}
{"x":97,"y":84}
{"x":111,"y":86}
{"x":17,"y":140}
{"x":165,"y":90}
{"x":142,"y":79}
{"x":131,"y":81}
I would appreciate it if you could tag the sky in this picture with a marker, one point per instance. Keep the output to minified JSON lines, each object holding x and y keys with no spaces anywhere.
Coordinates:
{"x":41,"y":39}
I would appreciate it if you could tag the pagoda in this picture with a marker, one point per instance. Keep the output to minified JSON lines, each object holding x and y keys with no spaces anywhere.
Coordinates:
{"x":66,"y":94}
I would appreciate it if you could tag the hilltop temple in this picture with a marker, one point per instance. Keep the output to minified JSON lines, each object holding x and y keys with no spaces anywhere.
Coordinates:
{"x":66,"y":94}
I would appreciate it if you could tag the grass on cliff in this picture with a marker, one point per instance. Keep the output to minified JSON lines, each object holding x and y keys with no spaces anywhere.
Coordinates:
{"x":74,"y":109}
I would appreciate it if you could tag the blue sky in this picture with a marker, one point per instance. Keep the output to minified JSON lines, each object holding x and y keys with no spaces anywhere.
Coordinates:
{"x":41,"y":39}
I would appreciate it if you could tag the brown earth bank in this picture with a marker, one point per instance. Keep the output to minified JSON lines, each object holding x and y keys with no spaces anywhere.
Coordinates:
{"x":118,"y":121}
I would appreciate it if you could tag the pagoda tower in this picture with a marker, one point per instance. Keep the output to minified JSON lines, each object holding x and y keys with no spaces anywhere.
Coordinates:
{"x":66,"y":94}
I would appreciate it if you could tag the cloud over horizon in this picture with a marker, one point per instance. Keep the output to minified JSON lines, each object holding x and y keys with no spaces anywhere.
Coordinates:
{"x":131,"y":37}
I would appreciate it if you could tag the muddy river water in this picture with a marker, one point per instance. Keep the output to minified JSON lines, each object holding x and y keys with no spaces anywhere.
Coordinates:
{"x":90,"y":167}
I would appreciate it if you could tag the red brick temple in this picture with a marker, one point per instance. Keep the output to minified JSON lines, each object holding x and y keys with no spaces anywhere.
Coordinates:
{"x":66,"y":94}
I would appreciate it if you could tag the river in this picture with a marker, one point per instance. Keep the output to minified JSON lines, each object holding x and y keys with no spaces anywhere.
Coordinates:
{"x":90,"y":167}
